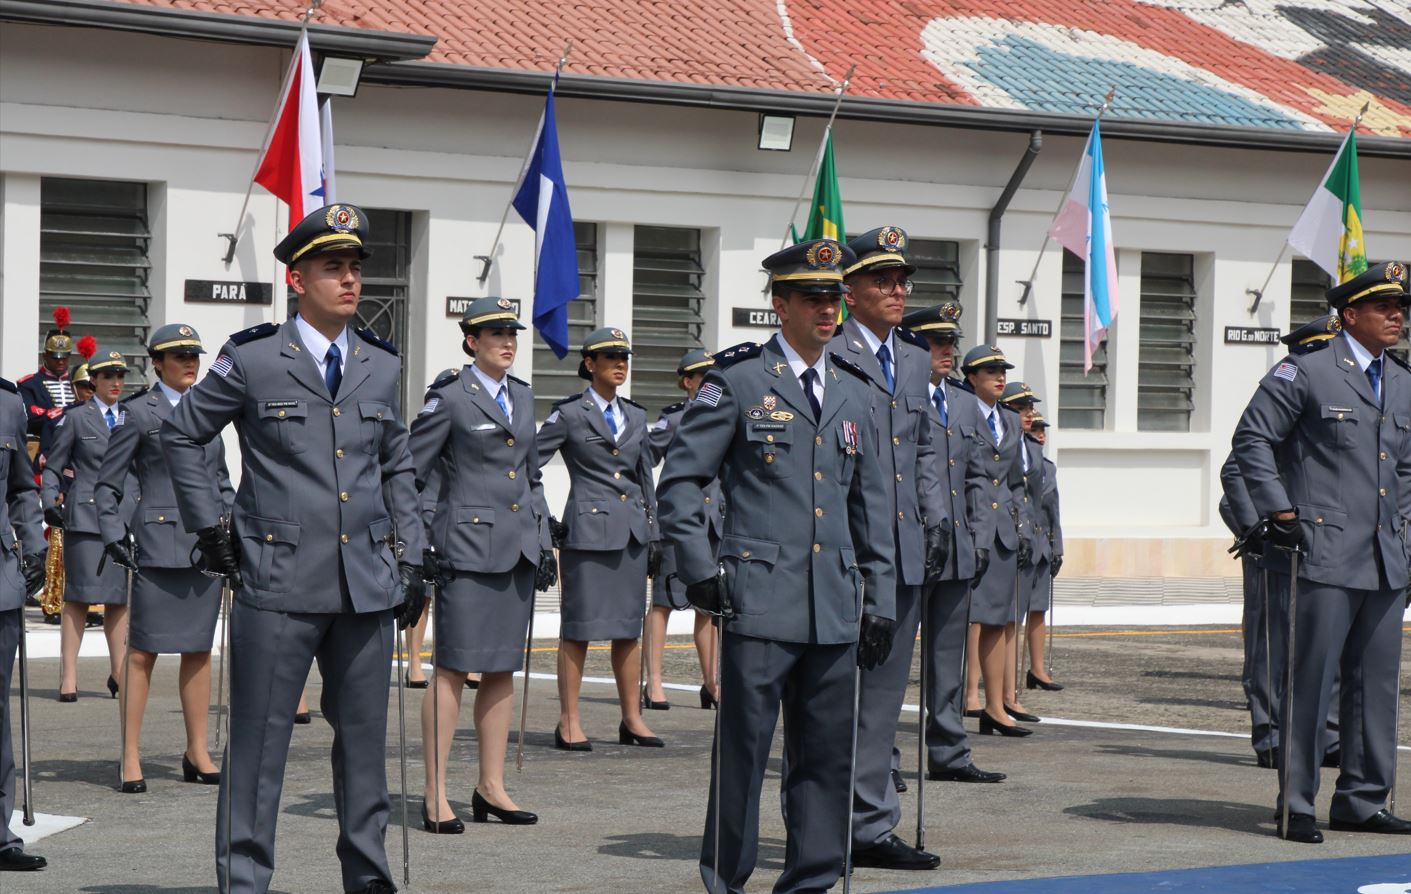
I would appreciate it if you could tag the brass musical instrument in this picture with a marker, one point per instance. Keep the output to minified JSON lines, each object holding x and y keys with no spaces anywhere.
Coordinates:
{"x":52,"y":599}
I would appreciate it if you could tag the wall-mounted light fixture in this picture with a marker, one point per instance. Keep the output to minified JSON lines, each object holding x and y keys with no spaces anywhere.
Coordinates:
{"x":339,"y":75}
{"x":776,"y":132}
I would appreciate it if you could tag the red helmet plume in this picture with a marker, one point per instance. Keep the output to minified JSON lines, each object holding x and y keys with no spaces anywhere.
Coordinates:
{"x":62,"y":317}
{"x":88,"y":346}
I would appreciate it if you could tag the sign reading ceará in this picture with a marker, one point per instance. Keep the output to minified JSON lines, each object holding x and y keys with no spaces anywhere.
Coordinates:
{"x":759,"y":318}
{"x":207,"y":291}
{"x":1250,"y":335}
{"x":456,"y":307}
{"x":1025,"y":328}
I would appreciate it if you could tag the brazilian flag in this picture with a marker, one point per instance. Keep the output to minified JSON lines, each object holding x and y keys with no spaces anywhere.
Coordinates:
{"x":825,"y":218}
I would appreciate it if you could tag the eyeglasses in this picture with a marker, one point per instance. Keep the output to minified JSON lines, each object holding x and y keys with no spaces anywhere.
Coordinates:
{"x":885,"y":284}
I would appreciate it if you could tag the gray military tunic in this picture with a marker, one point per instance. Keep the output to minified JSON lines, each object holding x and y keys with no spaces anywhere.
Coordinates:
{"x":80,"y":442}
{"x":20,"y":534}
{"x":996,"y":495}
{"x":325,"y":482}
{"x":174,"y":606}
{"x":668,"y":589}
{"x":808,"y":541}
{"x":610,"y":515}
{"x":1031,"y":516}
{"x":490,"y":521}
{"x":1316,"y":438}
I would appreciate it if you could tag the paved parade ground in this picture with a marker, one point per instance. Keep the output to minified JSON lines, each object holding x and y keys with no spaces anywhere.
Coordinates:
{"x":1183,"y":793}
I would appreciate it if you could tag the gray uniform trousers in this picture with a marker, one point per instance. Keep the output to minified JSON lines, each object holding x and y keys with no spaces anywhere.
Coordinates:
{"x":948,"y":607}
{"x":1278,"y":657}
{"x":10,"y":625}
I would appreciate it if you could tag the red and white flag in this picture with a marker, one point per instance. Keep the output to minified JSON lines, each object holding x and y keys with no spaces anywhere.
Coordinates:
{"x":293,"y":166}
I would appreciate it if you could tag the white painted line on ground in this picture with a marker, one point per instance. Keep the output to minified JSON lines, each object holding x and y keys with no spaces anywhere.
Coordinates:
{"x":45,"y":824}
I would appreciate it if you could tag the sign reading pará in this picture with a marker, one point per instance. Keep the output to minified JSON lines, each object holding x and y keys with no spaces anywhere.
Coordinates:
{"x":209,"y":291}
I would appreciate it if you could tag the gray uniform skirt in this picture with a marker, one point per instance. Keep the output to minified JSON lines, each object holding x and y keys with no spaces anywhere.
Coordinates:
{"x":604,"y":593}
{"x":82,"y":582}
{"x":480,"y":621}
{"x":174,"y":610}
{"x":992,"y":599}
{"x":1042,"y":591}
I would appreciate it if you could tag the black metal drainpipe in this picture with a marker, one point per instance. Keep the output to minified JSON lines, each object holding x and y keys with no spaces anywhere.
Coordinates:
{"x":992,"y":240}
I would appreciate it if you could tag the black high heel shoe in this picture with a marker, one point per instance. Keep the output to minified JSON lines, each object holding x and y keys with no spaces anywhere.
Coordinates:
{"x":988,"y":727}
{"x":189,"y":773}
{"x":975,"y":712}
{"x":481,"y":808}
{"x":1033,"y":682}
{"x":133,"y":786}
{"x":1022,"y":716}
{"x":452,"y":826}
{"x":68,"y":696}
{"x":471,"y":684}
{"x":416,"y":684}
{"x":708,"y":701}
{"x":303,"y":718}
{"x":649,"y":705}
{"x":563,"y":744}
{"x":625,"y":736}
{"x":112,"y":686}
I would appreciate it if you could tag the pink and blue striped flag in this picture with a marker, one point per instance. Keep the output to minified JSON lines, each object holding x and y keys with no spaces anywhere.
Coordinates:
{"x":1084,"y":227}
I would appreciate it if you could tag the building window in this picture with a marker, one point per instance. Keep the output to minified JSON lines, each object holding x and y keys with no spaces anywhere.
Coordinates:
{"x":93,"y":241}
{"x":555,"y":379}
{"x":1082,"y":397}
{"x":1166,"y":350}
{"x":937,"y":276}
{"x":667,"y":310}
{"x":1308,"y":293}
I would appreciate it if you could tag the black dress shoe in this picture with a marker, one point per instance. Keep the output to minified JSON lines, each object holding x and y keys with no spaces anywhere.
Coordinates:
{"x":1022,"y":716}
{"x":375,"y":887}
{"x":112,"y":686}
{"x":133,"y":786}
{"x":1268,"y":759}
{"x":1302,"y":828}
{"x":52,"y":619}
{"x":452,"y":826}
{"x":1033,"y":682}
{"x":989,"y":727}
{"x":471,"y":684}
{"x":625,"y":736}
{"x":563,"y":744}
{"x":975,"y":713}
{"x":481,"y":808}
{"x":16,"y":860}
{"x":650,"y":705}
{"x":1333,"y":759}
{"x":303,"y":718}
{"x":897,"y":782}
{"x":92,"y":619}
{"x":1383,"y":821}
{"x":417,"y":684}
{"x":190,"y":774}
{"x":68,"y":696}
{"x":967,"y":773}
{"x":708,"y":701}
{"x":893,"y":853}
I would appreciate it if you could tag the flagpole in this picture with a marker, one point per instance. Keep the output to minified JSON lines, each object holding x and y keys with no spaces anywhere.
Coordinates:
{"x":233,"y":239}
{"x":489,"y":260}
{"x":818,"y":159}
{"x":1028,"y":283}
{"x":1283,"y":248}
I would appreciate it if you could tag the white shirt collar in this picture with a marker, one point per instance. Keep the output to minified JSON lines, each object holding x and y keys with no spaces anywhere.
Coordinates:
{"x":1360,"y":353}
{"x":873,"y":343}
{"x":617,"y":413}
{"x":989,"y":411}
{"x":317,"y":344}
{"x":492,"y":385}
{"x":102,"y":407}
{"x":171,"y":394}
{"x":797,"y":364}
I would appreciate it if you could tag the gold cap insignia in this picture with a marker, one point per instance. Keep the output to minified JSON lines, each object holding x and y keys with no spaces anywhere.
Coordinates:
{"x":1334,"y":325}
{"x":891,"y":239}
{"x":1395,"y":272}
{"x":822,"y":255}
{"x":950,"y":311}
{"x":186,"y":330}
{"x":114,"y":355}
{"x":504,"y":304}
{"x":618,"y":333}
{"x":341,"y":218}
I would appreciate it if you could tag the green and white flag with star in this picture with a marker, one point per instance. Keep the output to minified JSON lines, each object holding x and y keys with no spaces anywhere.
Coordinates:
{"x":1329,"y":231}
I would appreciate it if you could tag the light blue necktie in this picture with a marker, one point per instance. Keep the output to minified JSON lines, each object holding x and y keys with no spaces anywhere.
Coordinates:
{"x":1374,"y":375}
{"x":500,"y":399}
{"x":884,"y":357}
{"x":611,"y":420}
{"x":940,"y":398}
{"x":110,"y":418}
{"x":993,"y":429}
{"x":333,"y":370}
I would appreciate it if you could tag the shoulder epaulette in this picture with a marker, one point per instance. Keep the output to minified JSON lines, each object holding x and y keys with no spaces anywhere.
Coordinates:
{"x":907,"y":335}
{"x":519,"y":380}
{"x":264,"y":330}
{"x":844,"y":363}
{"x":375,"y":340}
{"x":24,"y":379}
{"x":7,"y":385}
{"x":733,"y":355}
{"x":136,"y":395}
{"x":443,"y":381}
{"x":568,"y":400}
{"x":672,"y":408}
{"x":962,"y":384}
{"x":628,"y":400}
{"x":1310,"y":347}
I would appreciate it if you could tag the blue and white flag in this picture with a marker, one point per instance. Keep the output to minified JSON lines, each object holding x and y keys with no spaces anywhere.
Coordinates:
{"x":1084,"y":227}
{"x":542,"y":200}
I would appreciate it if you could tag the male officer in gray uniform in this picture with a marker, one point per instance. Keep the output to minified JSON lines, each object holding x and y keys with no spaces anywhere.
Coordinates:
{"x":326,"y":507}
{"x":955,"y":422}
{"x":1324,"y":448}
{"x":808,"y":543}
{"x":898,"y":366}
{"x":21,"y":573}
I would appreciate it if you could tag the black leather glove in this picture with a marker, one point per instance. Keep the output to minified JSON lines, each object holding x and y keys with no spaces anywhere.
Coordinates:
{"x":1054,"y":564}
{"x":982,"y":564}
{"x":874,"y":643}
{"x":54,"y":517}
{"x":1026,"y":558}
{"x":558,"y":532}
{"x":547,"y":574}
{"x":1286,"y":533}
{"x":414,"y":596}
{"x":33,"y":573}
{"x":434,"y":571}
{"x":937,"y":552}
{"x":218,"y":553}
{"x":654,"y":558}
{"x":121,"y":553}
{"x":710,"y":595}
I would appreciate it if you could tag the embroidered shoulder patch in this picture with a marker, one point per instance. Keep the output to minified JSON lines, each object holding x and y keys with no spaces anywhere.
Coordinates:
{"x":430,"y":407}
{"x":553,"y":417}
{"x":710,"y":394}
{"x":1286,"y":371}
{"x":222,"y":366}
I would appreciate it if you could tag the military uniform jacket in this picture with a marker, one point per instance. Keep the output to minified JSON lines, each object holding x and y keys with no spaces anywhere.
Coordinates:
{"x":1033,"y":526}
{"x":957,"y":461}
{"x":1052,"y":526}
{"x":808,"y":529}
{"x":1241,"y":512}
{"x":611,"y":496}
{"x":322,"y":482}
{"x":489,"y":506}
{"x":80,"y":443}
{"x":45,"y":396}
{"x":1348,"y":463}
{"x":662,"y":435}
{"x":996,"y":485}
{"x":906,"y":454}
{"x":19,"y":504}
{"x":135,"y":446}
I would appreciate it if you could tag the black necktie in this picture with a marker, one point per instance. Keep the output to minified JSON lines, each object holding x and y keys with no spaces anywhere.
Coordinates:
{"x":810,"y":376}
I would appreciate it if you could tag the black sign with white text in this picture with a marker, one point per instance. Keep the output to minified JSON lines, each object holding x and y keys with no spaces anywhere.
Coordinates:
{"x":206,"y":291}
{"x":456,"y":307}
{"x":759,"y":318}
{"x":1025,"y":328}
{"x":1249,"y":335}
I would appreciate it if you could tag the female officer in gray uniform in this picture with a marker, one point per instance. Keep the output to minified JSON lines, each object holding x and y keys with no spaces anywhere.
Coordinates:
{"x":80,"y":441}
{"x":490,"y":547}
{"x":1033,"y":561}
{"x":174,"y":606}
{"x":1041,"y":597}
{"x":668,"y":590}
{"x":610,"y":547}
